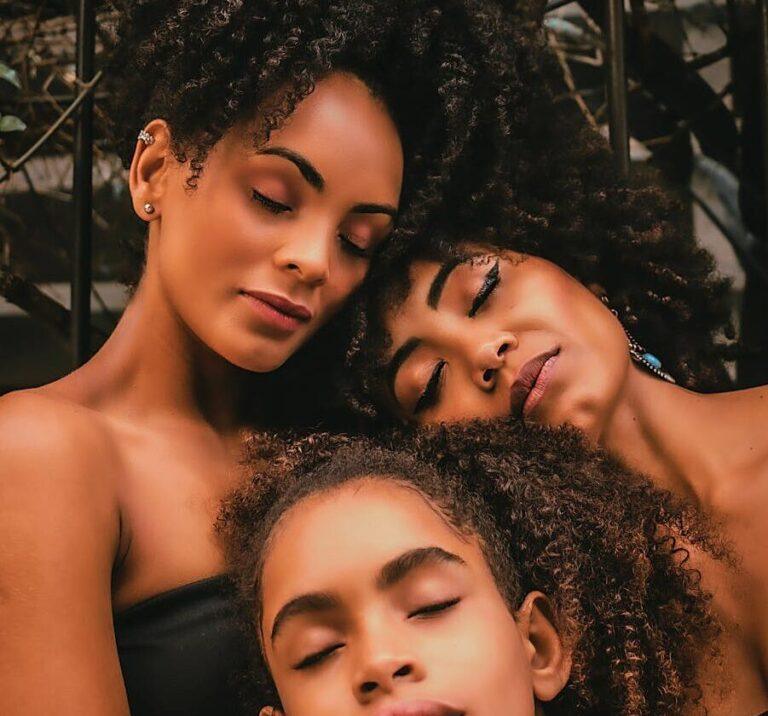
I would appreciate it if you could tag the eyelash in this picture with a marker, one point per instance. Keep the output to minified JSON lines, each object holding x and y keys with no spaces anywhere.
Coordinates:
{"x":270,"y":205}
{"x":491,"y":281}
{"x":314,"y":659}
{"x":426,"y":612}
{"x":429,"y":396}
{"x":276,"y":207}
{"x":433,"y":609}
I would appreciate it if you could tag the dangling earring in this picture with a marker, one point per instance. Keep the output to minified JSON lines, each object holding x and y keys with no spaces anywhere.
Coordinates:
{"x":642,"y":357}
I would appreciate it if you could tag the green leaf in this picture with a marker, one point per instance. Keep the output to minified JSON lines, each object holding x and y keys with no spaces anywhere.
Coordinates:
{"x":9,"y":75}
{"x":9,"y":123}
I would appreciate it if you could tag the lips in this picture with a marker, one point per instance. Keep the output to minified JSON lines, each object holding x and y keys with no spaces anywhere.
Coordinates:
{"x":282,"y":305}
{"x":526,"y":380}
{"x":417,"y":708}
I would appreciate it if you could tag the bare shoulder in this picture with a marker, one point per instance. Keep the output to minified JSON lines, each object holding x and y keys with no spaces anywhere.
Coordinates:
{"x":57,"y":451}
{"x":35,"y":425}
{"x":60,"y":532}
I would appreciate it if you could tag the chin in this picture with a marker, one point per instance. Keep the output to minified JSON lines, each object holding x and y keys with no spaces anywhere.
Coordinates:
{"x":584,"y":415}
{"x":255,"y":356}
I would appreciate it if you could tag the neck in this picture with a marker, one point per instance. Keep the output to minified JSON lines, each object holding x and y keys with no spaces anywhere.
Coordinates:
{"x":154,"y":367}
{"x":687,"y":442}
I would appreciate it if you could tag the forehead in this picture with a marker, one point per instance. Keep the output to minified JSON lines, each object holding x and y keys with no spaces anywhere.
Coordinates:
{"x":343,"y":130}
{"x":350,"y":532}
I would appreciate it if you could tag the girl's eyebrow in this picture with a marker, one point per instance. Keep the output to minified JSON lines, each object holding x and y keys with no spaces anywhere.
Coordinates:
{"x":394,"y":571}
{"x":438,"y":282}
{"x":304,"y":604}
{"x":397,"y":569}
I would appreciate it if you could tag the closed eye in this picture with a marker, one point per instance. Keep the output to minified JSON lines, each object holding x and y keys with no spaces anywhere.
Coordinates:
{"x":316,"y":658}
{"x":433,"y":609}
{"x":491,"y":281}
{"x":276,"y":207}
{"x":352,"y":248}
{"x":432,"y":390}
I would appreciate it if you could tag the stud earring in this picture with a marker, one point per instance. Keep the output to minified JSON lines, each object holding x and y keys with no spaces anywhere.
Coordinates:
{"x":642,"y":357}
{"x":149,"y":208}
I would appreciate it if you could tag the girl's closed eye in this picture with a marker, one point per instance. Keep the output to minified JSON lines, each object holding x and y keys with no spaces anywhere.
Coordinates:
{"x":435,"y":609}
{"x":317,"y":657}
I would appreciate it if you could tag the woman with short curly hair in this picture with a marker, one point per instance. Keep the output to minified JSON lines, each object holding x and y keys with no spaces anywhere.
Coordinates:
{"x":483,"y":569}
{"x":273,"y":148}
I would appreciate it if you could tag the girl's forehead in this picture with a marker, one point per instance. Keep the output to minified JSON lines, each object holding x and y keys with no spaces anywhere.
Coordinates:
{"x":354,"y":530}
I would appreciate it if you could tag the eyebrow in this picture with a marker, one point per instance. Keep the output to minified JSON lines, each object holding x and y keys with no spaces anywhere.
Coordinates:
{"x":390,"y":574}
{"x":400,"y":567}
{"x":312,"y":176}
{"x":315,"y":179}
{"x":438,"y":282}
{"x":311,"y":603}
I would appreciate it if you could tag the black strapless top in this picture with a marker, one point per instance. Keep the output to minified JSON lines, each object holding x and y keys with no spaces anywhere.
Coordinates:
{"x":182,"y":652}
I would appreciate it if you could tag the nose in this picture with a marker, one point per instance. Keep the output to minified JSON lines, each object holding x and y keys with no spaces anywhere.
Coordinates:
{"x":382,"y":673}
{"x":307,"y":254}
{"x":489,"y":357}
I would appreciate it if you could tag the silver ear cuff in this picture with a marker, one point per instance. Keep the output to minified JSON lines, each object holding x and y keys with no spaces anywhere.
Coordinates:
{"x":146,"y":137}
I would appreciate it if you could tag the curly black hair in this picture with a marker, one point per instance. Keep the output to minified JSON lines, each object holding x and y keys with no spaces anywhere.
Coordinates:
{"x":562,"y":200}
{"x":460,"y":78}
{"x":608,"y":548}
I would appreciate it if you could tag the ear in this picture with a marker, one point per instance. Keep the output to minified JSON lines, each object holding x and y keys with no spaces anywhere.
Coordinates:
{"x":270,"y":711}
{"x":147,"y":176}
{"x":550,"y":661}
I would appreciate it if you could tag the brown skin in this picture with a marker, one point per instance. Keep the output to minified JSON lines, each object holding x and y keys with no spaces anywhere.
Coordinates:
{"x":709,"y":448}
{"x":383,"y":646}
{"x":111,"y":477}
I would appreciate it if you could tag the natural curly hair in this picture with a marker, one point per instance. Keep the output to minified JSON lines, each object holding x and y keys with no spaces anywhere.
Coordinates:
{"x":460,"y":78}
{"x":563,"y":201}
{"x":608,"y":548}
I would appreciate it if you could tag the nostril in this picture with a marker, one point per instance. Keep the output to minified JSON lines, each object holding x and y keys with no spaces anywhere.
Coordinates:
{"x":403,"y":670}
{"x":488,"y":375}
{"x":368,"y":686}
{"x":502,"y":349}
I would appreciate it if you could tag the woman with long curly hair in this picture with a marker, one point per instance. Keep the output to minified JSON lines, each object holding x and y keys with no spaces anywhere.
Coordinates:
{"x":535,"y":331}
{"x":444,"y":573}
{"x":273,"y":148}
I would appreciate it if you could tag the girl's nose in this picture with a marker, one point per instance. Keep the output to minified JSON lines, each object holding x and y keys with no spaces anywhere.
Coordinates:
{"x":490,"y":357}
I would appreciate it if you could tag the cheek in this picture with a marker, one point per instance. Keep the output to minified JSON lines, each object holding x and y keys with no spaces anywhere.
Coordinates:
{"x":505,"y":674}
{"x":345,"y":278}
{"x":482,"y":663}
{"x":329,"y":694}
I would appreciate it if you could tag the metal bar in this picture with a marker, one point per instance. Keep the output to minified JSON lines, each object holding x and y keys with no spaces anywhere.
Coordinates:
{"x":763,"y":14}
{"x":616,"y":84}
{"x":82,"y":189}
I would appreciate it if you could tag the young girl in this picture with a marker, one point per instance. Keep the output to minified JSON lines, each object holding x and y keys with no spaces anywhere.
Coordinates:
{"x":493,"y":332}
{"x":442,"y":574}
{"x":271,"y":146}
